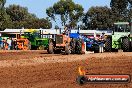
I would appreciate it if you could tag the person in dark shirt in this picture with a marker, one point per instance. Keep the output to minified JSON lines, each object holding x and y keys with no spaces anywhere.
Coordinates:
{"x":0,"y":42}
{"x":2,"y":45}
{"x":102,"y":36}
{"x":15,"y":44}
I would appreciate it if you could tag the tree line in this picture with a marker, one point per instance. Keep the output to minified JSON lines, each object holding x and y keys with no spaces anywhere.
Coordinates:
{"x":66,"y":13}
{"x":17,"y":17}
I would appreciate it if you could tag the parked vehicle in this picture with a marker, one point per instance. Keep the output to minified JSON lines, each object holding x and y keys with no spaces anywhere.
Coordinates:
{"x":37,"y":42}
{"x":121,"y":37}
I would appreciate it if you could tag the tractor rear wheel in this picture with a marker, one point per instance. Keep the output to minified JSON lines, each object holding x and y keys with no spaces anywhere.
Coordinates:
{"x":108,"y":44}
{"x":51,"y":47}
{"x":67,"y":49}
{"x":125,"y":44}
{"x":79,"y":46}
{"x":73,"y":45}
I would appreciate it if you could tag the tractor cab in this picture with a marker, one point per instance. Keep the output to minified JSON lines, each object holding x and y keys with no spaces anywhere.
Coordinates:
{"x":121,"y":27}
{"x":120,"y":34}
{"x":31,"y":34}
{"x":61,"y":40}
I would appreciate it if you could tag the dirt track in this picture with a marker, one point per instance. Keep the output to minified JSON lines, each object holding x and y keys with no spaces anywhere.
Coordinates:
{"x":36,"y":69}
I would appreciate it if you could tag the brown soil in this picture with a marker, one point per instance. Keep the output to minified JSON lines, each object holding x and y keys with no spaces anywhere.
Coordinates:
{"x":37,"y":69}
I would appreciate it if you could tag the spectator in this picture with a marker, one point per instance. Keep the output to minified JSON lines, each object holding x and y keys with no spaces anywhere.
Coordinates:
{"x":0,"y":43}
{"x":15,"y":44}
{"x":102,"y":39}
{"x":102,"y":36}
{"x":4,"y":44}
{"x":9,"y":43}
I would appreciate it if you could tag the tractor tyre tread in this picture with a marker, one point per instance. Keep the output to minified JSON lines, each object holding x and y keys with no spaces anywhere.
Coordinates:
{"x":108,"y":44}
{"x":125,"y":44}
{"x":73,"y":45}
{"x":79,"y":46}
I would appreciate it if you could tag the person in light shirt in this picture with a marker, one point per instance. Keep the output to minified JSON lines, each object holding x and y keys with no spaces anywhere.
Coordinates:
{"x":9,"y":42}
{"x":102,"y":39}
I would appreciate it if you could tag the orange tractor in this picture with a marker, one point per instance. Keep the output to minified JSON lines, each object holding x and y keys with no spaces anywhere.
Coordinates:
{"x":18,"y":44}
{"x":23,"y":44}
{"x":65,"y":44}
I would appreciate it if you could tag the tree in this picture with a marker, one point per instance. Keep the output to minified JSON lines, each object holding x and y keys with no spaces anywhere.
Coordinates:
{"x":119,"y":5}
{"x":98,"y":17}
{"x":66,"y":11}
{"x":121,"y":10}
{"x":129,"y":9}
{"x":39,"y":23}
{"x":18,"y":13}
{"x":5,"y":20}
{"x":2,"y":3}
{"x":20,"y":17}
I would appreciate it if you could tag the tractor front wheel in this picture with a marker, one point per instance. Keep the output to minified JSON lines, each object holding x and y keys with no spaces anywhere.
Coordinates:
{"x":73,"y":45}
{"x":108,"y":44}
{"x":67,"y":49}
{"x":79,"y":46}
{"x":125,"y":44}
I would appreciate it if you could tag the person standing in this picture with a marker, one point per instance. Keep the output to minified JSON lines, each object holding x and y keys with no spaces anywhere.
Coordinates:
{"x":15,"y":44}
{"x":0,"y":42}
{"x":9,"y":43}
{"x":4,"y":44}
{"x":101,"y":39}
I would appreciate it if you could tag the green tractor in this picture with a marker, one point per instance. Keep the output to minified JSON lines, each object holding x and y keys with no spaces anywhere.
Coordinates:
{"x":37,"y":42}
{"x":121,"y":39}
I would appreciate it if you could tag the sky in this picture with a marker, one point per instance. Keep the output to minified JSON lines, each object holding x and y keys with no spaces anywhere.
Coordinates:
{"x":38,"y":7}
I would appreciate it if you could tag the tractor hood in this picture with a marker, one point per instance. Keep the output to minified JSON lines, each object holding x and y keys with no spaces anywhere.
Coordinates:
{"x":42,"y":39}
{"x":120,"y":34}
{"x":74,"y":35}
